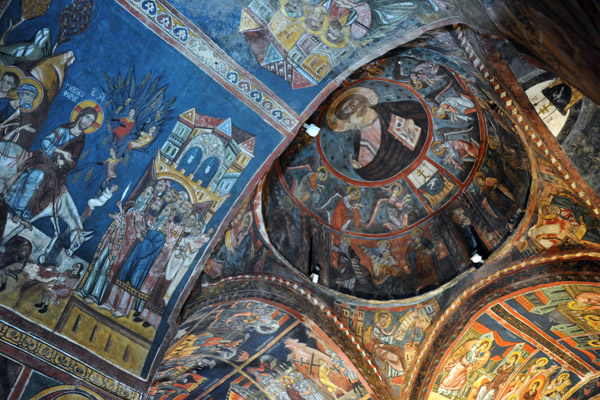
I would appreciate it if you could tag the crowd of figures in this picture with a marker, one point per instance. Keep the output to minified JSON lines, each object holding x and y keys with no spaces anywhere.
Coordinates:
{"x":490,"y":363}
{"x":153,"y":236}
{"x":33,"y":172}
{"x":145,"y":253}
{"x":297,"y":364}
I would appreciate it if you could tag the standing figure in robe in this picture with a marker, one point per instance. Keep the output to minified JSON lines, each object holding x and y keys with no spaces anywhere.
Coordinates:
{"x":346,"y":210}
{"x":138,"y":264}
{"x":491,"y":390}
{"x":345,"y":276}
{"x":118,"y":299}
{"x":117,"y":242}
{"x":471,"y":356}
{"x":498,"y":201}
{"x":422,"y":257}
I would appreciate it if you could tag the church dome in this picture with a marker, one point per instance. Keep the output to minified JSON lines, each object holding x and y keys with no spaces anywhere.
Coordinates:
{"x":412,"y":175}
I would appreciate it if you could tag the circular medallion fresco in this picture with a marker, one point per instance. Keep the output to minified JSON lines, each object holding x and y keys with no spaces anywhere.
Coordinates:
{"x":369,"y":141}
{"x":395,"y":147}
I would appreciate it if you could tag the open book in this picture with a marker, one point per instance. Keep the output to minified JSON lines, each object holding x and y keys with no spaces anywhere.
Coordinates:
{"x":405,"y":131}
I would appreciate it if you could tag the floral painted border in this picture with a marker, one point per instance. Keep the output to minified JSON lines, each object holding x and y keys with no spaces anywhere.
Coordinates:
{"x":186,"y":38}
{"x":62,"y":361}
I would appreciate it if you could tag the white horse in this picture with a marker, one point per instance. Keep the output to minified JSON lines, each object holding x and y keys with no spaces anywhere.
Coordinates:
{"x":11,"y":154}
{"x":63,"y":208}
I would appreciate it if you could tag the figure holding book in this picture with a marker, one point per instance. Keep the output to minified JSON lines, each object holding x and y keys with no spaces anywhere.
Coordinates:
{"x":388,"y":136}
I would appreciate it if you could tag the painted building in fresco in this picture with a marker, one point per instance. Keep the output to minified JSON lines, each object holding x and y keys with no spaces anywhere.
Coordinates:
{"x":169,"y":231}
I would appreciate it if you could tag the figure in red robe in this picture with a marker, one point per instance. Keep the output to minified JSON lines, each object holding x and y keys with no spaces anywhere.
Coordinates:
{"x":346,"y":210}
{"x":125,"y":125}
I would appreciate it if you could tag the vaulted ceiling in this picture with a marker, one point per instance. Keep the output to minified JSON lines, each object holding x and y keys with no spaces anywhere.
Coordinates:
{"x":438,"y":239}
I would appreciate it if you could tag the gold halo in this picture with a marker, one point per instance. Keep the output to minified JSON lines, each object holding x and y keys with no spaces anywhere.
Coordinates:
{"x":13,"y":94}
{"x":541,"y":361}
{"x":385,"y":242}
{"x":396,"y":185}
{"x":564,"y":375}
{"x":594,"y":343}
{"x":478,"y":174}
{"x":326,"y":173}
{"x":99,"y":119}
{"x":437,"y":153}
{"x":513,"y":397}
{"x":540,"y":383}
{"x":488,"y":341}
{"x":340,"y":126}
{"x":417,"y":85}
{"x":282,"y":4}
{"x":573,"y":305}
{"x":544,"y":204}
{"x":287,"y":378}
{"x":493,"y":138}
{"x":247,"y":216}
{"x":516,"y":353}
{"x":11,"y":68}
{"x":40,"y":91}
{"x":312,"y":10}
{"x":435,"y":110}
{"x":593,"y":320}
{"x":351,"y":188}
{"x":378,"y":317}
{"x":414,"y":232}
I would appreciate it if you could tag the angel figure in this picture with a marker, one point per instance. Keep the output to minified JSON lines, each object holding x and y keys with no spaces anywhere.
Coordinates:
{"x":346,"y":211}
{"x":125,"y":125}
{"x":146,"y":104}
{"x":311,"y":184}
{"x":472,"y":355}
{"x":396,"y":209}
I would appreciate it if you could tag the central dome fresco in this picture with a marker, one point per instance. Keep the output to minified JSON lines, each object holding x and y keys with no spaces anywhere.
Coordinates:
{"x":411,"y":175}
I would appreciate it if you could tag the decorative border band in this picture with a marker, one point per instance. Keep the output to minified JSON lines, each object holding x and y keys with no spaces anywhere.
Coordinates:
{"x":60,"y":360}
{"x":516,"y":114}
{"x":186,"y":38}
{"x":463,"y":297}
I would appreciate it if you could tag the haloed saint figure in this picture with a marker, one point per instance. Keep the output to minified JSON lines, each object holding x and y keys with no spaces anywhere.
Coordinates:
{"x":386,"y":136}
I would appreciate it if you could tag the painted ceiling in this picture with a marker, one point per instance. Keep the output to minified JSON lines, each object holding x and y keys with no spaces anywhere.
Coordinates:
{"x":399,"y":192}
{"x":169,"y":229}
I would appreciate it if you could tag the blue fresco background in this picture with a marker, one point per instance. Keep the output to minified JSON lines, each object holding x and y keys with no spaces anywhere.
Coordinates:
{"x":133,"y":46}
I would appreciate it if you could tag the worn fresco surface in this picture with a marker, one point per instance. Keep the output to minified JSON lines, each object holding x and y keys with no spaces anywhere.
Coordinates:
{"x":117,"y":173}
{"x":303,"y":45}
{"x":251,"y":349}
{"x":541,"y":316}
{"x":391,"y":332}
{"x":536,"y":345}
{"x":411,"y":175}
{"x":24,"y":381}
{"x":114,"y":175}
